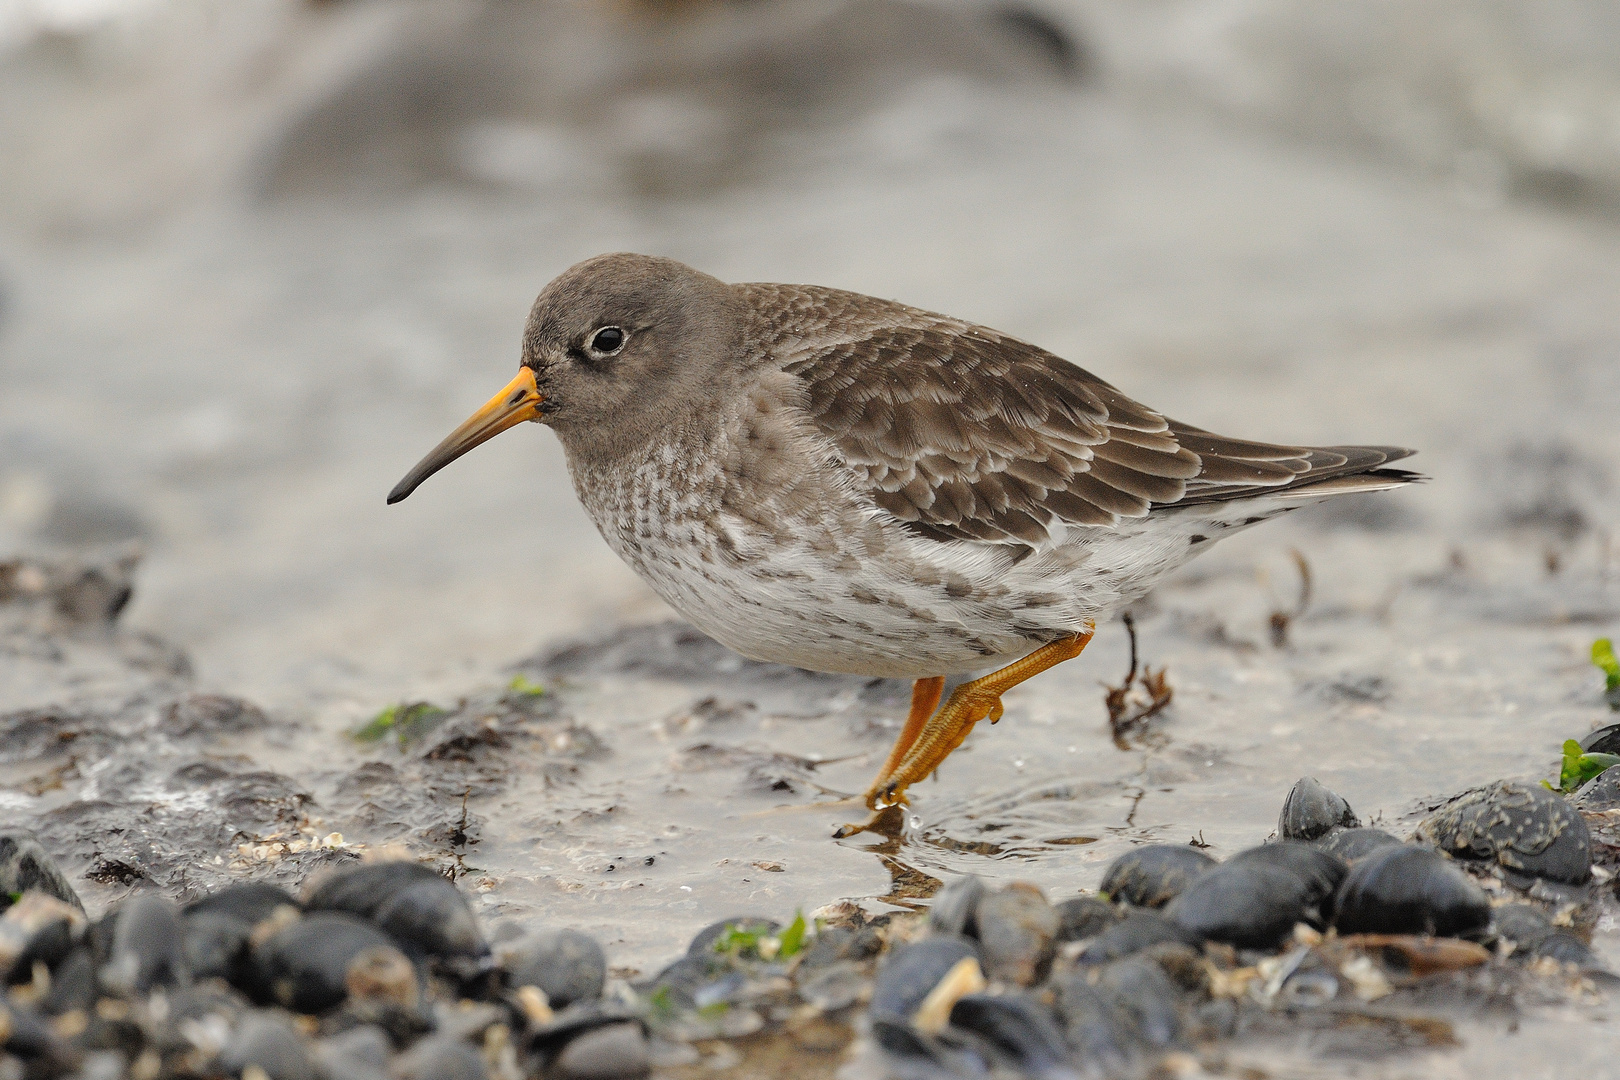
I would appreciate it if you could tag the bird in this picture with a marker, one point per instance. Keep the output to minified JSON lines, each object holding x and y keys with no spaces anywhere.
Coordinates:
{"x":842,"y":483}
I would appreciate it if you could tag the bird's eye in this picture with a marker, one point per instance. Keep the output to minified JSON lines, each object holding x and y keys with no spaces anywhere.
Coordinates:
{"x":608,"y":340}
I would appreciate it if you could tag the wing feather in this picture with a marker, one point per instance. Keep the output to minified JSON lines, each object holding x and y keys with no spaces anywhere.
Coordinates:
{"x":965,"y":433}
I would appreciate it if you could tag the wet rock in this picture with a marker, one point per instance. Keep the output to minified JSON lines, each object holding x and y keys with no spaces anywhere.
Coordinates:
{"x":1311,"y":811}
{"x":252,"y":902}
{"x":148,"y":947}
{"x":566,"y":965}
{"x":1017,"y":932}
{"x":25,"y":865}
{"x":266,"y":1040}
{"x":202,"y":715}
{"x":305,"y":965}
{"x":1602,"y":792}
{"x":440,"y":1058}
{"x":605,"y":1053}
{"x":1021,"y":1029}
{"x":1353,"y":844}
{"x":1152,"y":875}
{"x":1250,"y":904}
{"x":911,"y":973}
{"x":1085,"y":917}
{"x":1148,"y":996}
{"x":954,"y":909}
{"x":1523,"y":827}
{"x":1410,"y":890}
{"x":1140,"y":929}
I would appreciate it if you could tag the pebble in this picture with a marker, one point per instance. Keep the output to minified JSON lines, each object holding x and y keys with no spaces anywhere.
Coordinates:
{"x":566,"y":965}
{"x":605,"y":1053}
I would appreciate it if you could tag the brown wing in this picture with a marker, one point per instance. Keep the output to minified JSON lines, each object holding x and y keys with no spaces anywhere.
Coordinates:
{"x":968,"y":434}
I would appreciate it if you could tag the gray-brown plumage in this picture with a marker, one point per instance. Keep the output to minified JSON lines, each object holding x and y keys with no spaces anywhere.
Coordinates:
{"x":844,"y":483}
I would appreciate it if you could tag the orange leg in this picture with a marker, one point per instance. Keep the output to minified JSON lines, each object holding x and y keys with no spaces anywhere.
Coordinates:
{"x":925,"y":695}
{"x":944,"y":732}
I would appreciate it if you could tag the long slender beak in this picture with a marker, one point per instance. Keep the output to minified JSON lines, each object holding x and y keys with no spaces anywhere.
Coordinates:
{"x":520,"y":401}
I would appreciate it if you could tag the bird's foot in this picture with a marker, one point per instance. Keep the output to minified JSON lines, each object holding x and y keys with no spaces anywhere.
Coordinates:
{"x":887,"y":822}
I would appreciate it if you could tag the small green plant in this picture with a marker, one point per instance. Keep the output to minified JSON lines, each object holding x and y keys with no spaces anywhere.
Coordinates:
{"x":792,"y":939}
{"x":524,"y":686}
{"x":759,"y":942}
{"x":1580,"y":767}
{"x":1604,"y":659}
{"x":405,"y":722}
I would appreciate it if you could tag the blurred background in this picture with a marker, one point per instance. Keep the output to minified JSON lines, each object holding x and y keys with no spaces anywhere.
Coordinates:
{"x":256,"y":256}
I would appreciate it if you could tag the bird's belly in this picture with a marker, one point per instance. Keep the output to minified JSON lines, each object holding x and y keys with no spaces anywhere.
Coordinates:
{"x":802,"y":614}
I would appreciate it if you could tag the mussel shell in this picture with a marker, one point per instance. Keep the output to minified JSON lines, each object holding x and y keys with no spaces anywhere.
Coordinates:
{"x":1523,"y":827}
{"x":431,"y":917}
{"x":73,"y":983}
{"x":1521,"y":924}
{"x":305,"y":965}
{"x":1566,"y":948}
{"x":1140,"y":929}
{"x":1149,"y":997}
{"x":148,"y":947}
{"x":1311,"y":810}
{"x":1410,"y":890}
{"x":567,"y":965}
{"x":1085,"y":917}
{"x":911,"y":972}
{"x":25,"y":865}
{"x":1095,"y":1024}
{"x":1322,"y":871}
{"x":1250,"y":904}
{"x":954,"y":909}
{"x":362,"y":889}
{"x":217,"y":945}
{"x":440,"y":1057}
{"x":1017,"y":934}
{"x":1602,"y":792}
{"x":1020,"y":1028}
{"x":1605,"y":740}
{"x":1353,"y":844}
{"x":267,"y":1040}
{"x":250,"y":901}
{"x":611,"y":1050}
{"x":1150,"y":876}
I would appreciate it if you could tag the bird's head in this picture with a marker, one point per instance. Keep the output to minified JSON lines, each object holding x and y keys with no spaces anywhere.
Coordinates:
{"x":616,"y":348}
